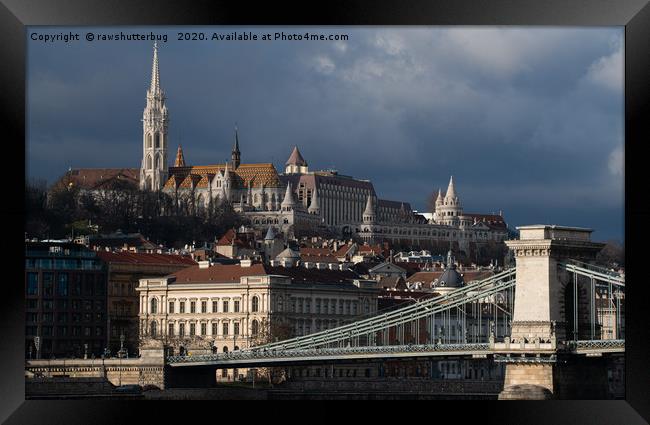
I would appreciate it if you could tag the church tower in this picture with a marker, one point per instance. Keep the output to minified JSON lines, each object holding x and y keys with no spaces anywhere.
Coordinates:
{"x":153,"y":171}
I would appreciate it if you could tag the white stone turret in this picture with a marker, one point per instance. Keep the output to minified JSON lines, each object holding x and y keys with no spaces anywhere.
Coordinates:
{"x":449,"y":208}
{"x":314,"y":207}
{"x":288,"y":203}
{"x":369,"y":215}
{"x":155,"y":121}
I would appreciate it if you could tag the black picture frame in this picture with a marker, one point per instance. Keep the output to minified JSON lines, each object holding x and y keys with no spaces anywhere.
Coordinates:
{"x":15,"y":15}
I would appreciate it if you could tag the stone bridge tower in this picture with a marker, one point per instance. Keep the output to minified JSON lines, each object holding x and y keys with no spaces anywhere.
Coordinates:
{"x":539,"y":310}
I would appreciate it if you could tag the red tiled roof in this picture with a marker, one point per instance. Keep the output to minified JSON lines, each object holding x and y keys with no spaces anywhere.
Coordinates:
{"x":314,"y":251}
{"x":95,"y":178}
{"x":227,"y":240}
{"x":425,"y":277}
{"x":144,"y":258}
{"x":302,"y":274}
{"x":228,"y":273}
{"x":318,"y":258}
{"x":225,"y":273}
{"x":493,"y":218}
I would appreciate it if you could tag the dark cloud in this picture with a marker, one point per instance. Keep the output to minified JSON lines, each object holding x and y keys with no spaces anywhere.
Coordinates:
{"x":528,"y":120}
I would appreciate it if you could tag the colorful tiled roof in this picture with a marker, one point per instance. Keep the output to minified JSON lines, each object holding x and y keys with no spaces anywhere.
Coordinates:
{"x":255,"y":174}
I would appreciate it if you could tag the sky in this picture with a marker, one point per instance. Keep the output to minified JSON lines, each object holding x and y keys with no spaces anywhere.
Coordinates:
{"x":528,"y":120}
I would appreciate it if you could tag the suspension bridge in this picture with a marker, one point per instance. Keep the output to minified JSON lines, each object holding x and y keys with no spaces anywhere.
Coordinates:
{"x":555,"y":306}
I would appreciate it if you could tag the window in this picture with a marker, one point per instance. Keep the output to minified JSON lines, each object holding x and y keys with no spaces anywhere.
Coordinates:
{"x":153,"y":328}
{"x":255,"y":327}
{"x":225,"y":306}
{"x":235,"y":306}
{"x":204,"y":306}
{"x":192,"y":329}
{"x":235,"y":328}
{"x":171,"y":307}
{"x":87,"y":329}
{"x":255,"y":304}
{"x":204,"y":328}
{"x":31,"y":317}
{"x":181,"y":307}
{"x":48,"y":305}
{"x":170,"y":329}
{"x":341,"y":307}
{"x":154,"y":306}
{"x":98,"y":331}
{"x":62,"y":288}
{"x":47,"y":283}
{"x":224,"y":328}
{"x":214,"y":329}
{"x":31,"y":304}
{"x":215,"y":306}
{"x":32,"y":283}
{"x":47,"y":317}
{"x":192,"y":306}
{"x":181,"y":329}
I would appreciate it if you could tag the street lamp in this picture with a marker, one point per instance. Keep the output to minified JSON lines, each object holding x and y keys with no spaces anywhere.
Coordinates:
{"x":37,"y":344}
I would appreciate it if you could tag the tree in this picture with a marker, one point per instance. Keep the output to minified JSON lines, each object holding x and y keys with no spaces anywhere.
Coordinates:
{"x":277,"y":330}
{"x":612,"y":254}
{"x":430,"y":203}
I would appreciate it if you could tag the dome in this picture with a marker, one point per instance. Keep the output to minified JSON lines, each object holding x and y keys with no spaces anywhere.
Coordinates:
{"x":288,"y":253}
{"x":450,"y":278}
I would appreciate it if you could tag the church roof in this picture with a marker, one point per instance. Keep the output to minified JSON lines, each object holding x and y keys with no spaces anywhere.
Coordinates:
{"x":256,"y":175}
{"x":98,"y":178}
{"x":296,"y":158}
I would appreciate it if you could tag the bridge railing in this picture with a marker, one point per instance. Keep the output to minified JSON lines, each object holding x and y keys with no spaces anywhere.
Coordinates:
{"x":453,"y":299}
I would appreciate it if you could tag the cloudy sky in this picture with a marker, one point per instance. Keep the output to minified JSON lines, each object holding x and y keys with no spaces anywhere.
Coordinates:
{"x":527,"y":120}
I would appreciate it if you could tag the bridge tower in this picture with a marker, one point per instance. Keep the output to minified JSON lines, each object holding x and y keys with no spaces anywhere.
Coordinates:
{"x":539,"y":309}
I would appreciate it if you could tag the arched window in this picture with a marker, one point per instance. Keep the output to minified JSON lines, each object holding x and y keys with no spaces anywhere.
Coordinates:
{"x":158,"y":161}
{"x":149,"y":166}
{"x":225,"y":349}
{"x":148,"y":141}
{"x":153,"y":328}
{"x":255,"y":304}
{"x":154,"y":306}
{"x":157,"y":140}
{"x":255,"y":327}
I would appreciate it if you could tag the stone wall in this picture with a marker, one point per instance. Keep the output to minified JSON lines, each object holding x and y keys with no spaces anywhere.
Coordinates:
{"x":141,"y":371}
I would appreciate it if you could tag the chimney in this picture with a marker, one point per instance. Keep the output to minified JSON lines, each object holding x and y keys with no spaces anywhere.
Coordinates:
{"x":246,"y":262}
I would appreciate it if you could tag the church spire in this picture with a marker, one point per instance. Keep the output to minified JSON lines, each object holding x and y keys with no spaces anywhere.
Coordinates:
{"x":180,"y":159}
{"x":155,"y":73}
{"x":236,"y":155}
